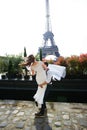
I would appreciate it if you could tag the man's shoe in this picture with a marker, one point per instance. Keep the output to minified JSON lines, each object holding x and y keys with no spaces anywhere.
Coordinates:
{"x":39,"y":114}
{"x":45,"y":109}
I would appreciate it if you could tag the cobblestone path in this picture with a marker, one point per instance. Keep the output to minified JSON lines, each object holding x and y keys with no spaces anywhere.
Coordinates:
{"x":19,"y":115}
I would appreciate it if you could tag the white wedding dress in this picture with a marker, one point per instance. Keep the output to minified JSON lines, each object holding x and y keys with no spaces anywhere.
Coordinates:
{"x":40,"y":78}
{"x":57,"y":71}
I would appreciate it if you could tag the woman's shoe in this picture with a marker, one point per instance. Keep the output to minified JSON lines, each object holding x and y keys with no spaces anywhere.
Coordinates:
{"x":36,"y":103}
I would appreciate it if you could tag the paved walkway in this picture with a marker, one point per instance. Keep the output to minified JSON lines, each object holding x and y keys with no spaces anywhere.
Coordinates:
{"x":19,"y":115}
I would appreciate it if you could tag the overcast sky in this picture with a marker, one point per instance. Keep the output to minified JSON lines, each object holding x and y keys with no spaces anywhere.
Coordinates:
{"x":23,"y":23}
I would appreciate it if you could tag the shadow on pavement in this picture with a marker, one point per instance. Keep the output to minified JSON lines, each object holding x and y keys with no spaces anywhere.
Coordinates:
{"x":42,"y":123}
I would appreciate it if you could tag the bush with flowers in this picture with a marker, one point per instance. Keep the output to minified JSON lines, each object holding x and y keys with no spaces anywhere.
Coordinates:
{"x":83,"y":63}
{"x":76,"y":66}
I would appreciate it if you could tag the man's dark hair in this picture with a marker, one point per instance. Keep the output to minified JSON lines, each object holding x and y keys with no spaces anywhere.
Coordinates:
{"x":46,"y":63}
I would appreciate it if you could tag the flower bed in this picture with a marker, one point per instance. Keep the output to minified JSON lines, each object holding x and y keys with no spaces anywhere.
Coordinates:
{"x":76,"y":66}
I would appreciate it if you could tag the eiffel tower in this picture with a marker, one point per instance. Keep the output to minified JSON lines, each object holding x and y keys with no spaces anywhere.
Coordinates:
{"x":48,"y":36}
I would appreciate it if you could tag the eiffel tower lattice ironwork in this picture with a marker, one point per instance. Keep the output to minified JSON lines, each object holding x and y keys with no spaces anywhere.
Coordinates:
{"x":48,"y":36}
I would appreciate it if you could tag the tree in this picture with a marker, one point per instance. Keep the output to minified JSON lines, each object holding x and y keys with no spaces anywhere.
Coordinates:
{"x":40,"y":54}
{"x":25,"y":55}
{"x":3,"y":64}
